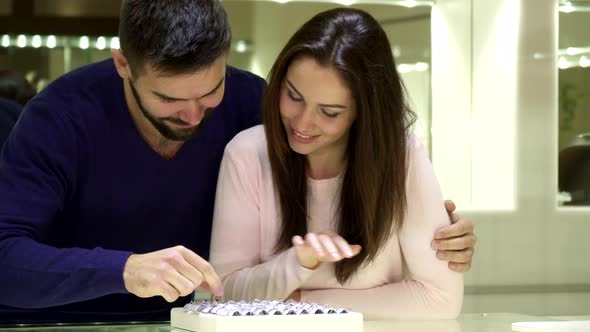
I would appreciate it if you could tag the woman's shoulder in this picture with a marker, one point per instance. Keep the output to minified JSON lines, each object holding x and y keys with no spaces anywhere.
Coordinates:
{"x":249,"y":143}
{"x":414,"y":144}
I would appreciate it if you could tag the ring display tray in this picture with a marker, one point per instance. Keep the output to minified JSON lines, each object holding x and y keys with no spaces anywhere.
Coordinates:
{"x":264,"y":316}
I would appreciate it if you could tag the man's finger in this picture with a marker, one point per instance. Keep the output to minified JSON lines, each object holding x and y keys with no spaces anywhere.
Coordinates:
{"x":209,"y":275}
{"x":206,"y":288}
{"x":188,"y":271}
{"x":450,"y":206}
{"x":168,"y":292}
{"x":460,"y":228}
{"x":460,"y":267}
{"x":183,"y":285}
{"x":455,"y":243}
{"x":456,"y":256}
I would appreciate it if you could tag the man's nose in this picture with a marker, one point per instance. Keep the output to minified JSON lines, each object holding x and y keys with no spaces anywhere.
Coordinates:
{"x":193,"y":114}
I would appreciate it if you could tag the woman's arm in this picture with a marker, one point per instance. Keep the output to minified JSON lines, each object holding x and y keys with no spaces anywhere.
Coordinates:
{"x":432,"y":291}
{"x":237,"y":224}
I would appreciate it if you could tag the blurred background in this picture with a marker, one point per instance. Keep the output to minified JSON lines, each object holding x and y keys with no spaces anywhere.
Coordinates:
{"x":502,"y":93}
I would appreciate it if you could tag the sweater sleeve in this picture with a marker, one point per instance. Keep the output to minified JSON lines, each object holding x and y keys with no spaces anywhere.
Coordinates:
{"x":432,"y":290}
{"x":38,"y":171}
{"x":236,"y":237}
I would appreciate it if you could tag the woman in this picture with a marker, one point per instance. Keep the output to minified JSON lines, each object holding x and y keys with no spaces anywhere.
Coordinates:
{"x":329,"y":199}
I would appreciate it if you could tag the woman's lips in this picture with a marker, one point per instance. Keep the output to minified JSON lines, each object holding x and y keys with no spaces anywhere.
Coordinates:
{"x":301,"y":138}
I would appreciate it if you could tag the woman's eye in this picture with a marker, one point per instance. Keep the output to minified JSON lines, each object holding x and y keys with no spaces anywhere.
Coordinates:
{"x":292,"y":96}
{"x":330,"y":114}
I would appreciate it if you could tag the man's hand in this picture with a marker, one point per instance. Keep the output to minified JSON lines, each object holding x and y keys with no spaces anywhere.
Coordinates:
{"x":170,"y":273}
{"x":323,"y":247}
{"x":455,"y":243}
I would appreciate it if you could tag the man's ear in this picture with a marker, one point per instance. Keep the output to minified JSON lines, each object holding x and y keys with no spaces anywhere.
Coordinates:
{"x":121,"y":63}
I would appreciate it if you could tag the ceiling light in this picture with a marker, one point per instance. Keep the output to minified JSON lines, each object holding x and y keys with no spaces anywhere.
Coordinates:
{"x":36,"y":42}
{"x":51,"y":41}
{"x":115,"y":43}
{"x":5,"y":41}
{"x":567,"y":8}
{"x":21,"y":41}
{"x":84,"y":42}
{"x":563,"y":63}
{"x":409,"y":3}
{"x":421,"y":66}
{"x":101,"y":43}
{"x":241,"y":46}
{"x":404,"y":68}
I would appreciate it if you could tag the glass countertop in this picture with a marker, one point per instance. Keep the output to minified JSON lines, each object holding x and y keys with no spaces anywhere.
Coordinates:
{"x":492,"y":322}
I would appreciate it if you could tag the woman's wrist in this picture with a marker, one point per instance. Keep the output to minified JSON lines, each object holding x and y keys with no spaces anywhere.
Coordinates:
{"x":310,"y":265}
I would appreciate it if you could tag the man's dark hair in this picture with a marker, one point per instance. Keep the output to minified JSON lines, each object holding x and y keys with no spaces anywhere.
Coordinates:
{"x":173,"y":36}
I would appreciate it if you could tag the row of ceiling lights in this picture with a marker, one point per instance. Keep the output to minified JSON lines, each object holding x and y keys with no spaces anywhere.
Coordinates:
{"x":101,"y":43}
{"x":568,"y":57}
{"x":52,"y":41}
{"x":84,"y":42}
{"x":574,"y":57}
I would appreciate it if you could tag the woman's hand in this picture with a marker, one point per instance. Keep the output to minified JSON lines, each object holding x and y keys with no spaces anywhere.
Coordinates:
{"x":295,"y":296}
{"x":322,"y":247}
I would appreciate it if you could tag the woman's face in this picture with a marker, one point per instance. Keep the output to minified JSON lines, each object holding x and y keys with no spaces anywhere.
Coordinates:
{"x":317,"y":110}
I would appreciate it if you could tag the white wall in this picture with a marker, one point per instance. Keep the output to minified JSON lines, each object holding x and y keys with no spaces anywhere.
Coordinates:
{"x":532,"y":247}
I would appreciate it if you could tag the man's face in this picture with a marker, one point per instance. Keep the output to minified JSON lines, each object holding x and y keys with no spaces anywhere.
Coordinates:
{"x":177,"y":106}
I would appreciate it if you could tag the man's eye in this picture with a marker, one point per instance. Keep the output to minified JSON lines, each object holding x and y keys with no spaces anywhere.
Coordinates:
{"x":167,"y":100}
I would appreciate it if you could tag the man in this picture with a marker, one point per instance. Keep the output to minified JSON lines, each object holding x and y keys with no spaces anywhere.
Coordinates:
{"x":108,"y":180}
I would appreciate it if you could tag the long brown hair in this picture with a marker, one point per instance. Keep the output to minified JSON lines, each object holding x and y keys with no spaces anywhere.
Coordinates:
{"x":373,"y":197}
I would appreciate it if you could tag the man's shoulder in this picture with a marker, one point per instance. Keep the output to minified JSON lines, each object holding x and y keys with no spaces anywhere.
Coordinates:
{"x":241,"y":106}
{"x":243,"y":75}
{"x":243,"y":81}
{"x":74,"y":93}
{"x":88,"y":77}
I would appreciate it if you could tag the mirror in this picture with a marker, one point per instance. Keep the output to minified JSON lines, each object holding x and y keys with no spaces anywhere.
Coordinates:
{"x":574,"y":103}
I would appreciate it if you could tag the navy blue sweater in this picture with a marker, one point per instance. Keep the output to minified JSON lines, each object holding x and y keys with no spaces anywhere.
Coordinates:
{"x":9,"y":113}
{"x":80,"y":191}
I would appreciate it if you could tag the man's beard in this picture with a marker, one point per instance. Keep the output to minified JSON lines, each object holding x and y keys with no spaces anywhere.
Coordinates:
{"x":178,"y":134}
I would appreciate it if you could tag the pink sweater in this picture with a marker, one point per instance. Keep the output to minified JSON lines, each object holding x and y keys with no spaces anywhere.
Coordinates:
{"x":405,"y":281}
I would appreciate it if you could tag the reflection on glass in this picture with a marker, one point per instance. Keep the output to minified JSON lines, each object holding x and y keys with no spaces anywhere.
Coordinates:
{"x":574,"y":103}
